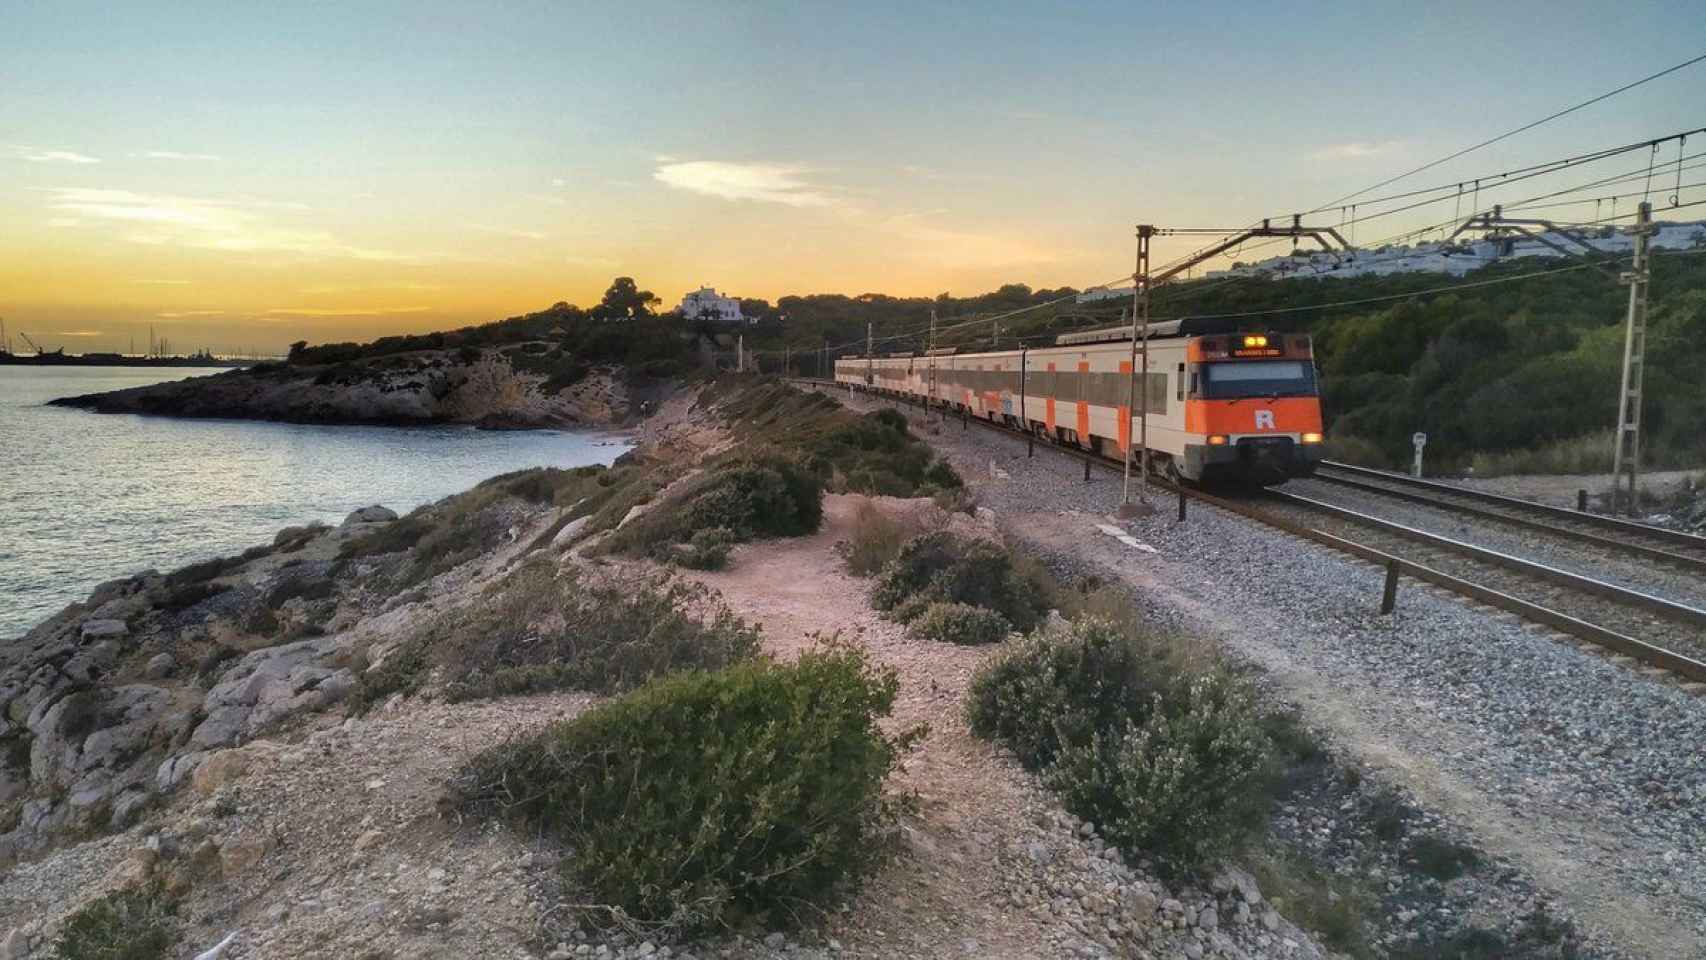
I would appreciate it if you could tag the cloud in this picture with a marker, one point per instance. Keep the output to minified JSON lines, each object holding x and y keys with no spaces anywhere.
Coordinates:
{"x":342,"y":311}
{"x":757,"y":182}
{"x":63,"y":221}
{"x":163,"y":283}
{"x":181,"y":314}
{"x":80,"y":333}
{"x":175,"y":155}
{"x":509,"y":232}
{"x":239,"y":225}
{"x":49,"y":156}
{"x":1356,"y":150}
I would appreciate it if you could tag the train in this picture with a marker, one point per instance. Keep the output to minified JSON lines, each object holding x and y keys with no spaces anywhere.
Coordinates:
{"x":1224,"y":406}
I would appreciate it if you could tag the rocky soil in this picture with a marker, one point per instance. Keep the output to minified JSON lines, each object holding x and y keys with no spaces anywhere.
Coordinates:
{"x":1578,"y":781}
{"x":483,"y":387}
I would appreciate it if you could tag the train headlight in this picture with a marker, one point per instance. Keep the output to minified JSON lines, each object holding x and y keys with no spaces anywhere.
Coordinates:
{"x":1312,"y":438}
{"x":1217,"y":439}
{"x":1256,"y":340}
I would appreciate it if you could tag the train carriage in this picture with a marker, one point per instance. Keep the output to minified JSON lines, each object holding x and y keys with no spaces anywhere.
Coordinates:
{"x":1222,"y":404}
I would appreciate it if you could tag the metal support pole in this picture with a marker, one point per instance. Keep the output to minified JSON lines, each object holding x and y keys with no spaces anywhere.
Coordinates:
{"x":1581,"y":501}
{"x":1086,"y":469}
{"x":1626,"y":457}
{"x":870,"y":361}
{"x":1389,"y":599}
{"x":1030,"y":444}
{"x":1139,"y":399}
{"x":1181,"y":503}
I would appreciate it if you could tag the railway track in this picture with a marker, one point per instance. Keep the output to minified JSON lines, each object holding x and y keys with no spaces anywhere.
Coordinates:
{"x":1684,"y":551}
{"x":1661,"y":633}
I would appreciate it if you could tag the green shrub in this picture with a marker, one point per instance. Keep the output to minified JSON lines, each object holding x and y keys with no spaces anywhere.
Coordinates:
{"x":709,"y":799}
{"x":944,"y":568}
{"x":961,"y":623}
{"x":136,"y":923}
{"x":707,"y":550}
{"x":1443,"y":859}
{"x":748,"y":497}
{"x":1049,"y":692}
{"x":1168,"y":757}
{"x":549,"y":628}
{"x":1176,"y":782}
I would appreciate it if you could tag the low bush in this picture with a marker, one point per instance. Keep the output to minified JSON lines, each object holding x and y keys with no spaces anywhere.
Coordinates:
{"x":747,"y":497}
{"x":1166,"y":755}
{"x":548,"y":629}
{"x":961,"y":623}
{"x":135,"y":923}
{"x":1177,"y":783}
{"x":877,"y":539}
{"x":1336,"y":909}
{"x":708,"y":800}
{"x":944,"y":568}
{"x":707,"y":550}
{"x":1443,"y":859}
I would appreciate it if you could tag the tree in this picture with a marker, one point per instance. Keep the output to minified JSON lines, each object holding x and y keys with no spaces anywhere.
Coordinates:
{"x":296,"y":351}
{"x":626,"y":299}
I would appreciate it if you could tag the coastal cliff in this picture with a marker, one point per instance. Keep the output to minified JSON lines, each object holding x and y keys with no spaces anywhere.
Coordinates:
{"x":521,"y":385}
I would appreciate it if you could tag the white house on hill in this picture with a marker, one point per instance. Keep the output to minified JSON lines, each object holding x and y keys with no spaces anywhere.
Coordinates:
{"x":706,"y":303}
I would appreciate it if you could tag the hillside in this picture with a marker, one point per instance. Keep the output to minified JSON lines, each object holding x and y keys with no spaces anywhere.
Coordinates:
{"x":557,"y":367}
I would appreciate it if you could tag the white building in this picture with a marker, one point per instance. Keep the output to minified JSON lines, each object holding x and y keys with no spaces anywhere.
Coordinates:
{"x":706,"y":303}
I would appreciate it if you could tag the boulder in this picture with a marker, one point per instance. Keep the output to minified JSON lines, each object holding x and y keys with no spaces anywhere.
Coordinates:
{"x":373,"y":514}
{"x":227,"y":766}
{"x":569,"y":531}
{"x":159,"y":666}
{"x":104,"y":629}
{"x":173,"y":770}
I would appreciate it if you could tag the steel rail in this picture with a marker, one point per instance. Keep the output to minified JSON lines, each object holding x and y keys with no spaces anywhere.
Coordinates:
{"x":1670,"y":609}
{"x":1581,"y":536}
{"x":1676,"y":663}
{"x":1599,"y":520}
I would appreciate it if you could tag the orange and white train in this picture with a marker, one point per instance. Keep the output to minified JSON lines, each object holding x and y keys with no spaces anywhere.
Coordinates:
{"x":1223,"y":405}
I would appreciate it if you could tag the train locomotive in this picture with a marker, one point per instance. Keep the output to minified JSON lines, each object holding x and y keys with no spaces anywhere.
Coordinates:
{"x":1224,"y":405}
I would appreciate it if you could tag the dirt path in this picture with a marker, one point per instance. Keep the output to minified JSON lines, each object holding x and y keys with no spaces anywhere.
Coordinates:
{"x":947,"y":892}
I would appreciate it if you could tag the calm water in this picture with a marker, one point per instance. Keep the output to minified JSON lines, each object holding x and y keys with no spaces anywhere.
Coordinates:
{"x":88,"y":497}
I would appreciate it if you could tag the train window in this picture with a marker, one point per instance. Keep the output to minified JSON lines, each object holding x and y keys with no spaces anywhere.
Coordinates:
{"x":1259,"y":378}
{"x":1179,"y":386}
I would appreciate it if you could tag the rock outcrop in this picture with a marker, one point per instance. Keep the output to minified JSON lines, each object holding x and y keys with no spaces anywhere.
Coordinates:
{"x":499,"y":389}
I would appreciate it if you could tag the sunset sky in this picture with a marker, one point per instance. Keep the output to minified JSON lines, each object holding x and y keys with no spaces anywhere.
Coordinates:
{"x":245,"y":175}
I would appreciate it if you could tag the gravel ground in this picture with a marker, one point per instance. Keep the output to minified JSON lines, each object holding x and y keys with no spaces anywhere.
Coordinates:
{"x":1587,"y":776}
{"x":1663,"y":580}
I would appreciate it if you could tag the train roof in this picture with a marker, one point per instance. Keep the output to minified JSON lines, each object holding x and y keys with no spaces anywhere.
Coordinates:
{"x":1182,"y":327}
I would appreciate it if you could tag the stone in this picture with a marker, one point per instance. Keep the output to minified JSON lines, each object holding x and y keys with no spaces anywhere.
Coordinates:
{"x":223,"y":767}
{"x":570,"y":531}
{"x":1270,"y":919}
{"x":1086,"y":829}
{"x":173,"y":770}
{"x":775,"y":941}
{"x":127,"y":809}
{"x":373,"y":514}
{"x":638,"y":510}
{"x":237,"y":856}
{"x":1209,"y":919}
{"x":369,"y":839}
{"x":160,"y":666}
{"x":104,"y":629}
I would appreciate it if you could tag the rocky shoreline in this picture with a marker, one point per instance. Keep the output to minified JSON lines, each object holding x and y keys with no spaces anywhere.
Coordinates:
{"x":495,"y":389}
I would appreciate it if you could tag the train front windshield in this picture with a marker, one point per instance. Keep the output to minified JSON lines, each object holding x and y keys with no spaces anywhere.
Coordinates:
{"x":1258,"y":378}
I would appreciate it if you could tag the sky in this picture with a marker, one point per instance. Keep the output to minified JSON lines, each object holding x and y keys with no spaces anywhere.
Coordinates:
{"x":242,"y":175}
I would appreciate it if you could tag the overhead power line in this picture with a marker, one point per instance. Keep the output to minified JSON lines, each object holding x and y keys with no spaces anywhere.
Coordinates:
{"x":1511,"y":133}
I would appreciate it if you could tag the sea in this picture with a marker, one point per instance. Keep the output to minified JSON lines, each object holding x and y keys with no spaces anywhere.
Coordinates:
{"x":87,"y":497}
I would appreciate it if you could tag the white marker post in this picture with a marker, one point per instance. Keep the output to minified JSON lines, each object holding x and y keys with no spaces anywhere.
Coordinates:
{"x":1420,"y":440}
